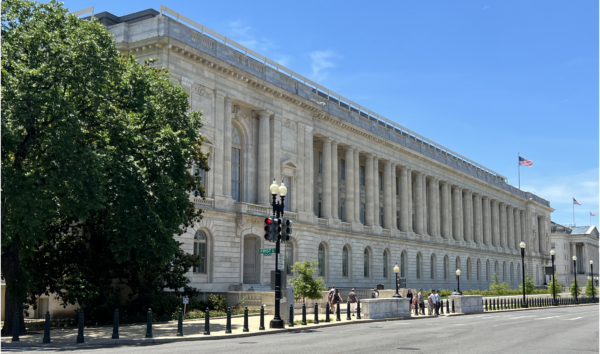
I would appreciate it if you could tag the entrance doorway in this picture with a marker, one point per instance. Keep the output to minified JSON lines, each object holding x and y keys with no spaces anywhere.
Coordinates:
{"x":251,"y":259}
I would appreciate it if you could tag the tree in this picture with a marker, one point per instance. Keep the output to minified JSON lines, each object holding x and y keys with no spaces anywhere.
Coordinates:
{"x":588,"y":288}
{"x":497,"y":287}
{"x":529,"y":284}
{"x":96,"y":150}
{"x":574,"y":289}
{"x":305,"y":285}
{"x":557,"y":283}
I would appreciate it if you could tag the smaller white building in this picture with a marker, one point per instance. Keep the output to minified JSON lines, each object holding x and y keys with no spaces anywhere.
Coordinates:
{"x":579,"y":241}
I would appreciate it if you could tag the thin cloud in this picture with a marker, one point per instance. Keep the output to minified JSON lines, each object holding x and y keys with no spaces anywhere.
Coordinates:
{"x":320,"y":61}
{"x":244,"y":35}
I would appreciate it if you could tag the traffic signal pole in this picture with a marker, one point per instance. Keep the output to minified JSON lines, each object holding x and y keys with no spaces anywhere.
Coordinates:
{"x":278,"y":207}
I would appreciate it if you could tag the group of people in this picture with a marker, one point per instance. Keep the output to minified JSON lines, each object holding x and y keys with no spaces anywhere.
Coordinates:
{"x":334,"y":297}
{"x":418,"y":301}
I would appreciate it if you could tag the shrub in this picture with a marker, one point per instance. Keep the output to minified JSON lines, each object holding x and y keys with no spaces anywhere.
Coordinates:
{"x":588,"y":288}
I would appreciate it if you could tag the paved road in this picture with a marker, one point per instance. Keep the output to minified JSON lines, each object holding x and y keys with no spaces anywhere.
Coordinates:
{"x":555,"y":330}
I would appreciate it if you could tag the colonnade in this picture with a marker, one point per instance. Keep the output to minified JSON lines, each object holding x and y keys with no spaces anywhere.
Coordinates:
{"x":412,"y":201}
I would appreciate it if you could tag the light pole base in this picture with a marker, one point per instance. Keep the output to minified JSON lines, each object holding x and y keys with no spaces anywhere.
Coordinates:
{"x":276,"y":323}
{"x":524,"y":305}
{"x":397,"y":295}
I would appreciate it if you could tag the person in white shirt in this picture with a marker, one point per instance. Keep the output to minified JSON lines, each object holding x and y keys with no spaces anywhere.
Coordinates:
{"x":438,"y":301}
{"x":434,"y":302}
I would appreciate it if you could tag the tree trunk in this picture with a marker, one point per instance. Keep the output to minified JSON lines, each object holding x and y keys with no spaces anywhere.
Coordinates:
{"x":14,"y":296}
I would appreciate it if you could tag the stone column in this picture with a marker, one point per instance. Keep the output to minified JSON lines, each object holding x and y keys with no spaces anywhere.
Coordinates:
{"x":495,"y":226}
{"x":436,"y":206}
{"x":424,"y":203}
{"x":456,"y":229}
{"x":387,"y":195}
{"x":502,"y":208}
{"x":542,"y":237}
{"x":356,"y":185}
{"x":468,"y":197}
{"x":308,"y":169}
{"x":227,"y":148}
{"x":478,"y":228}
{"x":350,"y":185}
{"x":517,"y":229}
{"x":377,"y":192}
{"x":370,"y":191}
{"x":217,"y":174}
{"x":487,"y":221}
{"x":445,"y":210}
{"x":276,"y":148}
{"x":299,"y":192}
{"x":264,"y":158}
{"x":524,"y":237}
{"x":394,"y":198}
{"x":335,"y":177}
{"x":327,"y":179}
{"x":419,"y":203}
{"x":431,"y":206}
{"x":511,"y":227}
{"x":410,"y":201}
{"x":404,"y":199}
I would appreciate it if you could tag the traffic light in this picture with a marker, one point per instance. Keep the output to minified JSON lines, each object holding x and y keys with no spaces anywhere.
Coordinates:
{"x":286,"y":231}
{"x":269,"y":229}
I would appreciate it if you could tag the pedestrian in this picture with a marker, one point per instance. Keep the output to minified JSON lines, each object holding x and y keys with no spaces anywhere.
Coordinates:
{"x":409,"y":295}
{"x":330,"y":295}
{"x":434,"y":303}
{"x":352,"y":299}
{"x":415,"y":302}
{"x":375,"y":294}
{"x":421,"y":302}
{"x":337,"y":298}
{"x":438,"y":301}
{"x":454,"y":292}
{"x":429,"y":303}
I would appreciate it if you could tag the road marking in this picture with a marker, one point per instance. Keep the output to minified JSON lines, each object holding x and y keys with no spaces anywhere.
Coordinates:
{"x":515,"y":318}
{"x":545,"y":318}
{"x":572,"y":319}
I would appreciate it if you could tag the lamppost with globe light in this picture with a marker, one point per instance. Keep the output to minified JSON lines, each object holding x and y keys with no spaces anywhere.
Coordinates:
{"x":397,"y":270}
{"x":278,"y":209}
{"x":552,"y":253}
{"x":591,"y":277}
{"x":458,"y":280}
{"x":522,"y":245}
{"x":575,"y":274}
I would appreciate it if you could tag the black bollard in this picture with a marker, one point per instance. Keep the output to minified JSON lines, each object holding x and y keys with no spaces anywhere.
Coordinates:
{"x":447,"y":307}
{"x":452,"y":305}
{"x":149,"y":324}
{"x":80,"y":338}
{"x":246,"y":329}
{"x":327,"y":311}
{"x":338,"y":315}
{"x":291,"y":319}
{"x":46,"y":338}
{"x":494,"y":304}
{"x":228,"y":323}
{"x":262,"y":318}
{"x":115,"y":334}
{"x":358,"y":310}
{"x":485,"y":306}
{"x":316,"y":321}
{"x":441,"y":306}
{"x":180,"y":323}
{"x":304,"y":314}
{"x":417,"y":308}
{"x":16,"y":325}
{"x":348,"y":311}
{"x":207,"y":322}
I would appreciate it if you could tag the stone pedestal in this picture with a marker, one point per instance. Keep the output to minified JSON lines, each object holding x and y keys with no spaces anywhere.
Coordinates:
{"x":467,"y":303}
{"x":385,"y":308}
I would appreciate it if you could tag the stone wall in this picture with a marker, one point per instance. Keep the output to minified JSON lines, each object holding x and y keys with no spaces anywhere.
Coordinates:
{"x":467,"y":303}
{"x":385,"y":308}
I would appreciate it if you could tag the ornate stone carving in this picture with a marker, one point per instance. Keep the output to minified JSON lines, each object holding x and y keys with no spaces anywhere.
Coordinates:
{"x":290,"y":125}
{"x":202,"y":91}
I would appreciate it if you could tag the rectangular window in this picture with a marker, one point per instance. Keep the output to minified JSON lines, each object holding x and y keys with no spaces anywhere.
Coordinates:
{"x":288,"y":198}
{"x":398,"y":218}
{"x":397,"y":186}
{"x":552,"y":245}
{"x":381,"y":216}
{"x":320,"y":202}
{"x":343,"y":169}
{"x":362,"y":213}
{"x":320,"y":161}
{"x":200,"y":250}
{"x":380,"y":181}
{"x":236,"y":178}
{"x":343,"y":209}
{"x":362,"y":175}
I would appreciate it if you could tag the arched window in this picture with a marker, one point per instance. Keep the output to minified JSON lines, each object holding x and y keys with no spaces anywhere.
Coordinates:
{"x":289,"y":257}
{"x":236,"y":164}
{"x":468,"y":268}
{"x":487,"y":270}
{"x":504,"y":271}
{"x":478,"y":270}
{"x":321,"y":260}
{"x":432,"y":267}
{"x":446,"y":264}
{"x":418,"y":266}
{"x":402,"y":265}
{"x":385,"y":264}
{"x":496,"y":269}
{"x":366,"y":263}
{"x":457,"y":263}
{"x":200,"y":250}
{"x":345,"y":261}
{"x":512,"y":273}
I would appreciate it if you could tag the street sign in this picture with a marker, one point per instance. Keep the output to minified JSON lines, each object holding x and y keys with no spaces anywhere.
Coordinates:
{"x":266,"y":251}
{"x":280,"y":263}
{"x":186,"y":300}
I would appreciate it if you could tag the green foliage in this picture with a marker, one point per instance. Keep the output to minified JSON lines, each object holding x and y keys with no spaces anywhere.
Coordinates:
{"x":575,"y":288}
{"x":96,"y":153}
{"x":498,"y":288}
{"x":557,"y":283}
{"x":588,"y":288}
{"x":529,"y":285}
{"x":305,"y":285}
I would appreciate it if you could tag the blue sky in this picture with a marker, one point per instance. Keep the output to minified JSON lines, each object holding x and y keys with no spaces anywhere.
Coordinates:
{"x":487,"y":79}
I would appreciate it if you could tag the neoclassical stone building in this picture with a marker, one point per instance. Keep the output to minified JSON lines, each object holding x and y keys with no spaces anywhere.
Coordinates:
{"x":365,"y":192}
{"x":579,"y":241}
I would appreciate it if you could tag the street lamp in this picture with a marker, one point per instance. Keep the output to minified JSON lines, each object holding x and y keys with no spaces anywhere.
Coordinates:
{"x":278,"y":208}
{"x":575,"y":274}
{"x":591,"y":277}
{"x":397,"y":270}
{"x":458,"y":280}
{"x":552,"y":253}
{"x":522,"y":244}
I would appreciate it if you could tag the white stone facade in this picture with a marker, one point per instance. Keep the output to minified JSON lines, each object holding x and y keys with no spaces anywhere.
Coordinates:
{"x":365,"y":193}
{"x":580,"y":241}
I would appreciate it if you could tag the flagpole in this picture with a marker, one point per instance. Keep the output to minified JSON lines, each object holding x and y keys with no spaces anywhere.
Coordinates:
{"x":519,"y":167}
{"x":573,"y":211}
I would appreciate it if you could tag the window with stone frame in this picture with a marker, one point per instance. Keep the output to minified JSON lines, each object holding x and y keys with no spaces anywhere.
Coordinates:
{"x":200,"y":250}
{"x":446,"y":261}
{"x":342,"y":169}
{"x":321,"y":260}
{"x":362,"y":175}
{"x":402,"y":265}
{"x":478,"y":270}
{"x":319,"y":207}
{"x":289,"y":257}
{"x":366,"y":263}
{"x":381,"y":216}
{"x":362,"y":213}
{"x":320,"y":162}
{"x":345,"y":261}
{"x":432,"y":267}
{"x":385,"y":264}
{"x":236,"y":164}
{"x":343,"y":209}
{"x":288,"y":198}
{"x":468,"y":268}
{"x":398,"y":218}
{"x":380,"y":177}
{"x":419,"y":266}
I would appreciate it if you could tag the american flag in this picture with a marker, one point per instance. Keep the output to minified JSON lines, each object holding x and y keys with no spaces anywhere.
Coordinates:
{"x":592,"y":214}
{"x":524,"y":162}
{"x":576,"y":202}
